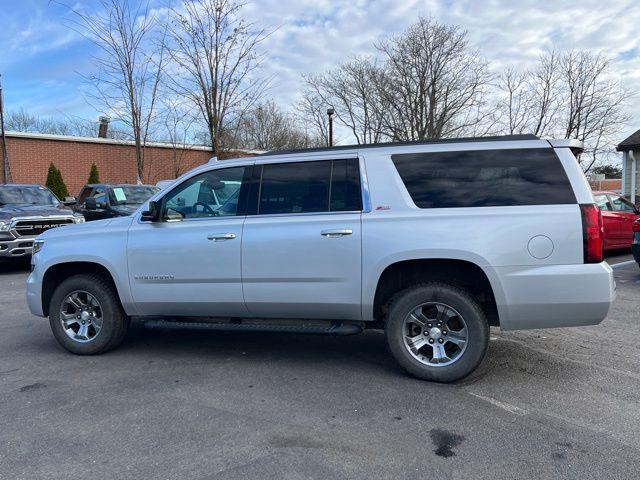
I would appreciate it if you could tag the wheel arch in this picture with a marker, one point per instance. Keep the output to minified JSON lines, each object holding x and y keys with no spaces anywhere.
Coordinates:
{"x":59,"y":272}
{"x":464,"y":273}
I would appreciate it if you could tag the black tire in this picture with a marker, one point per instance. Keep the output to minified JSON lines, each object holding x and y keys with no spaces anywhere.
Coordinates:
{"x":115,"y":322}
{"x":404,"y":302}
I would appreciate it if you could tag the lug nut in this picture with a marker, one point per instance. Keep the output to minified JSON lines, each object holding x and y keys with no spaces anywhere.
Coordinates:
{"x":431,"y":340}
{"x":429,"y":325}
{"x":440,"y":340}
{"x":444,"y":332}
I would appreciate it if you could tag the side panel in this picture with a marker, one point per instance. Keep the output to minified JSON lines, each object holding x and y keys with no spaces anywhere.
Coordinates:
{"x":490,"y":237}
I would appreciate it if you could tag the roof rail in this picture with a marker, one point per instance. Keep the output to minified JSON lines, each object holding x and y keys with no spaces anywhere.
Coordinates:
{"x":502,"y":138}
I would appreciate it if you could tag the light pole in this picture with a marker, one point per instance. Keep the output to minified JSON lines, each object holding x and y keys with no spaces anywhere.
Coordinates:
{"x":330,"y":112}
{"x":6,"y":173}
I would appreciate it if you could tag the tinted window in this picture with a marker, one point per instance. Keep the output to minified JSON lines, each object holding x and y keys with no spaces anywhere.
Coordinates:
{"x":484,"y":178}
{"x":346,"y":195}
{"x":83,"y":195}
{"x":100,"y":194}
{"x":210,"y":194}
{"x":304,"y":187}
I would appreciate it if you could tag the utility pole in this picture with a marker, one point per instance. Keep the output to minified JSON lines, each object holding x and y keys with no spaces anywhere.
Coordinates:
{"x":6,"y":173}
{"x":330,"y":112}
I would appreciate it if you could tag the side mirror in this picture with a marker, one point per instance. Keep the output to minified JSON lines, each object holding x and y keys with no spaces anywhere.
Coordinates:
{"x":90,"y":203}
{"x":153,"y":214}
{"x":68,"y":201}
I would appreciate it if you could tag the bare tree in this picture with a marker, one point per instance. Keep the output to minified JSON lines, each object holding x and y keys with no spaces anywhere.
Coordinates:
{"x":567,"y":95}
{"x":351,"y":90}
{"x":215,"y":62}
{"x":178,"y":124}
{"x":593,"y":106}
{"x":431,"y":82}
{"x":311,"y":111}
{"x":267,"y":127}
{"x":129,"y":64}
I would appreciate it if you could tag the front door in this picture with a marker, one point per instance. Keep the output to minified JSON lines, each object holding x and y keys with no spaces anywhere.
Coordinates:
{"x":301,"y":251}
{"x":189,"y":263}
{"x":626,"y":214}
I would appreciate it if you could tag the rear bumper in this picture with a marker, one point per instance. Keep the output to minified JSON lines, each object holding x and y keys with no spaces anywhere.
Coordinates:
{"x":555,"y":295}
{"x":16,"y":248}
{"x":635,"y":247}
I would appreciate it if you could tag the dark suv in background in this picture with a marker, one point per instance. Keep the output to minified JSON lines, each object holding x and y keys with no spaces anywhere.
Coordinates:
{"x":100,"y":201}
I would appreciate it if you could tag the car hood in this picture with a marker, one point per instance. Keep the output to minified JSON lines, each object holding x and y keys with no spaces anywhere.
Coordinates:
{"x":8,"y":212}
{"x":87,"y":228}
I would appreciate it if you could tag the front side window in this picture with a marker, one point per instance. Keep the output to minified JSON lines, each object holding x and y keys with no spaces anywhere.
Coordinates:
{"x":211,"y":194}
{"x":485,"y":178}
{"x":619,"y":204}
{"x":100,"y":194}
{"x":308,"y":187}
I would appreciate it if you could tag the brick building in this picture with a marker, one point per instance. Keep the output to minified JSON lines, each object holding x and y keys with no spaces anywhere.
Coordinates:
{"x":31,"y":153}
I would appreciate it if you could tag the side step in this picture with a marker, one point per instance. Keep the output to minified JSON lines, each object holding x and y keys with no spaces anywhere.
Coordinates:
{"x":333,"y":328}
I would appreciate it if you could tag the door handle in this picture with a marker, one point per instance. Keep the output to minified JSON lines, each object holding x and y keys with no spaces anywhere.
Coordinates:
{"x":336,"y":233}
{"x":221,"y":237}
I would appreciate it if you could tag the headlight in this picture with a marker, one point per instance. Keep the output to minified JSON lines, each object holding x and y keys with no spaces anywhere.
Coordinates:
{"x":37,"y":246}
{"x":4,"y":226}
{"x":78,"y":219}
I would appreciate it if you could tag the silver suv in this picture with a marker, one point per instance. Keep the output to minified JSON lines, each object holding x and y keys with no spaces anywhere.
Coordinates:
{"x":431,"y":241}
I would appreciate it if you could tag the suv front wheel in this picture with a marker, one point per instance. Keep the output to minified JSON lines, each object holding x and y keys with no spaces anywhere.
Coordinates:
{"x":437,"y":332}
{"x":85,"y":315}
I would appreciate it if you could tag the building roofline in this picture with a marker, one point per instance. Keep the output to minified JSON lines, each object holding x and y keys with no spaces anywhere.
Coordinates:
{"x":112,"y":141}
{"x":503,"y":138}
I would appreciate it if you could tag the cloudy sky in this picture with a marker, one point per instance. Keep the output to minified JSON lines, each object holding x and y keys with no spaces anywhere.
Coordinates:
{"x":42,"y":59}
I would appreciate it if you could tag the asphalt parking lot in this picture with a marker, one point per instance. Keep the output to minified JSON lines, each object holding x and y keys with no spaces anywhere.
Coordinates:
{"x":560,"y":403}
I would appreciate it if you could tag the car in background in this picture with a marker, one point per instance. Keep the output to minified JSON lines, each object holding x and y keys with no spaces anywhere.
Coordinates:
{"x":162,"y":184}
{"x":101,"y":201}
{"x":25,"y":212}
{"x":618,"y":217}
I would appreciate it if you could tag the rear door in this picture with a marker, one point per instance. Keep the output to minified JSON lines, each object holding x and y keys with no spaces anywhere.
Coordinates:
{"x":625,"y":216}
{"x":301,"y":249}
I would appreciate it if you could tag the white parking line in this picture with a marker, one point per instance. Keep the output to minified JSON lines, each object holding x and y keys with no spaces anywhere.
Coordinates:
{"x":505,"y":406}
{"x":623,"y":264}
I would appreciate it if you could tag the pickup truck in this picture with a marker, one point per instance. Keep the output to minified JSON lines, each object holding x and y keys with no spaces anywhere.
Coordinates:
{"x":432,"y":241}
{"x":25,"y":212}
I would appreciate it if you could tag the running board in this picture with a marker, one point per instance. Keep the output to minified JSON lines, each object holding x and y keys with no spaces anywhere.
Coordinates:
{"x":333,"y":328}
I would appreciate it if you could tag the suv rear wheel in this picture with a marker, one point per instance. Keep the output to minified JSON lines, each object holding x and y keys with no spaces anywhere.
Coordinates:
{"x":437,"y":332}
{"x":85,"y":315}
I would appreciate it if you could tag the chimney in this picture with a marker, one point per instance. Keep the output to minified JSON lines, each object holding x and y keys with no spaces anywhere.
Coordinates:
{"x":104,"y":126}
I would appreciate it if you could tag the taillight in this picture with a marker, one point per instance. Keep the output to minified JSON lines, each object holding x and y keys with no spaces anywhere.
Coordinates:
{"x":592,"y":233}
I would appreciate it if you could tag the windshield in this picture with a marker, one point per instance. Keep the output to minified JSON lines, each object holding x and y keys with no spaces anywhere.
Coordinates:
{"x":131,"y":194}
{"x":26,"y":194}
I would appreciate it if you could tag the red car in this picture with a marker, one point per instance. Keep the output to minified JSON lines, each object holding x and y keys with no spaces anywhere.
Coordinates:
{"x":618,"y":216}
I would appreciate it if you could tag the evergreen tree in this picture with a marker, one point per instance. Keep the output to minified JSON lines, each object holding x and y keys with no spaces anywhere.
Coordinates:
{"x":94,"y":176}
{"x":55,"y":182}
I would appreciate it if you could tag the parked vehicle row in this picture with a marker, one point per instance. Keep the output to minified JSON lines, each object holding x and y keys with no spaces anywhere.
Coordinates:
{"x":431,"y":241}
{"x":25,"y":212}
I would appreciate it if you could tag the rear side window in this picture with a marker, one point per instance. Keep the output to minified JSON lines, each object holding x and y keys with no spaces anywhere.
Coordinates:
{"x":307,"y":187}
{"x":485,"y":178}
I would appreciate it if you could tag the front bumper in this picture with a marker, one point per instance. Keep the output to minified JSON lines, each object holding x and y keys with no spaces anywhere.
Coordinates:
{"x":16,"y":248}
{"x":635,"y":247}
